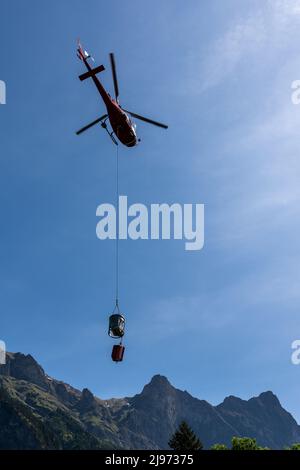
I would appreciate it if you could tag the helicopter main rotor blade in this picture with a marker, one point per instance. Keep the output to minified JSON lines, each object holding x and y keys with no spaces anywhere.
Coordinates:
{"x":114,"y":74}
{"x":150,"y":121}
{"x":85,"y":128}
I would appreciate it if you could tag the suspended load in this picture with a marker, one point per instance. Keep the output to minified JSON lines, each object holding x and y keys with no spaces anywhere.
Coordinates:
{"x":116,"y":328}
{"x":117,"y":352}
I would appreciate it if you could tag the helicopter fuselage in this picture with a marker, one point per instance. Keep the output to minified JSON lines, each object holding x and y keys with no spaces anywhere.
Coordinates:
{"x":121,"y":124}
{"x":123,"y":128}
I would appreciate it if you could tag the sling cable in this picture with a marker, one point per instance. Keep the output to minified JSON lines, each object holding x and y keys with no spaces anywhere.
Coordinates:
{"x":116,"y":328}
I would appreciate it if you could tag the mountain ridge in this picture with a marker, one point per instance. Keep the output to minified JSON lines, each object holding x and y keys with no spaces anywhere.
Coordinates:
{"x":49,"y":413}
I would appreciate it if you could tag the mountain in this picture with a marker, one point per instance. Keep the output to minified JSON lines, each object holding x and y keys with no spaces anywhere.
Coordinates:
{"x":39,"y":412}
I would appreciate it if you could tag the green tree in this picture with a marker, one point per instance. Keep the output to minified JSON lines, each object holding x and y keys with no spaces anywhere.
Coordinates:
{"x":245,"y":443}
{"x":295,"y":446}
{"x":185,"y":439}
{"x":219,"y":447}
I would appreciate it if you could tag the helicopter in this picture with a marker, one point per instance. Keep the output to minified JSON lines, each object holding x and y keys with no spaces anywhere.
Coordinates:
{"x":123,"y":127}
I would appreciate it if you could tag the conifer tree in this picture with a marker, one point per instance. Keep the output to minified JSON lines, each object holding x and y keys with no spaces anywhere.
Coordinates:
{"x":185,"y":439}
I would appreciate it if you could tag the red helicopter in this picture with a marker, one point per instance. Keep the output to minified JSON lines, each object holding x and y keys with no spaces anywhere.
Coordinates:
{"x":122,"y":125}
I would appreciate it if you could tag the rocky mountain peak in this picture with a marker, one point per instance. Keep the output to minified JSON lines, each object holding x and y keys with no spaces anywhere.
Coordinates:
{"x":24,"y":367}
{"x":87,"y":396}
{"x":158,"y":384}
{"x":87,"y":401}
{"x":268,"y":398}
{"x":230,"y":401}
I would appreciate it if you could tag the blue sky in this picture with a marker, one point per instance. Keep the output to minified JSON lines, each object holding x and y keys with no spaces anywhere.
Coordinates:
{"x":218,"y":321}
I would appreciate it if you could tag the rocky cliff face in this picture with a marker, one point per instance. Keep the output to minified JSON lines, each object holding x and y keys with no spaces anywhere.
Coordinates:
{"x":23,"y":367}
{"x":262,"y":417}
{"x":38,"y":412}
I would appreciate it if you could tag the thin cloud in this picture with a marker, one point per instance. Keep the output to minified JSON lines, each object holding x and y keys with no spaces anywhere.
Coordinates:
{"x":217,"y":310}
{"x":259,"y":192}
{"x":268,"y":28}
{"x":240,"y":40}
